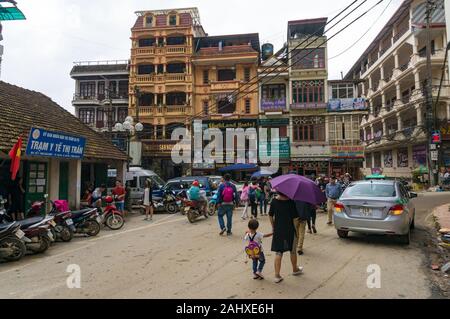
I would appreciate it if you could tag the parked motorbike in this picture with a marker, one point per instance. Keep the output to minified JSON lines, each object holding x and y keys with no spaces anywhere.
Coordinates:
{"x":38,"y":231}
{"x":86,"y":221}
{"x":12,"y":248}
{"x":110,"y":216}
{"x":171,"y":202}
{"x":63,"y":230}
{"x":193,"y":210}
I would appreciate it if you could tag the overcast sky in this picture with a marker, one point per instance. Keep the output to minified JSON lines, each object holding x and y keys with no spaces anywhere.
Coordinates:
{"x":40,"y":51}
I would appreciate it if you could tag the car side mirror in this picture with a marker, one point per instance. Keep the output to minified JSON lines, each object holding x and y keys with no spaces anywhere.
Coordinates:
{"x":413,"y":195}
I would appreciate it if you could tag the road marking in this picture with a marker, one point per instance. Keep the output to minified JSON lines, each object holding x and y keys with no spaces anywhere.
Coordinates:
{"x":91,"y":241}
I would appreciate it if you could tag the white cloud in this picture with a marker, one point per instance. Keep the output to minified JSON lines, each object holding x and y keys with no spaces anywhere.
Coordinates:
{"x":39,"y":52}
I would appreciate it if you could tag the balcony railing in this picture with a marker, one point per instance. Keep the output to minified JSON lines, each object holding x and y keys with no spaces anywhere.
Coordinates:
{"x":273,"y":104}
{"x":100,"y":97}
{"x":400,"y":33}
{"x":161,"y":78}
{"x":224,"y":85}
{"x":384,"y":49}
{"x":171,"y":110}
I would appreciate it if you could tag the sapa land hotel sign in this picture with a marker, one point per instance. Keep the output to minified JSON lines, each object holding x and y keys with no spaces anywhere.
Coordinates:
{"x":45,"y":143}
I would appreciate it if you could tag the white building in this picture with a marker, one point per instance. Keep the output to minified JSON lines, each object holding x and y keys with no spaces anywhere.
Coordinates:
{"x":392,"y":76}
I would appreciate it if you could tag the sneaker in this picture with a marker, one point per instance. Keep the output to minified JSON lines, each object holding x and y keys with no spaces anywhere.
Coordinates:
{"x":229,"y":234}
{"x":298,"y":272}
{"x":255,"y":276}
{"x":310,"y":231}
{"x":314,"y":229}
{"x":223,"y":231}
{"x":300,"y":252}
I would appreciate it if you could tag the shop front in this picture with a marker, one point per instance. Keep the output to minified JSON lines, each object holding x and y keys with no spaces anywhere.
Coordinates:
{"x":55,"y":151}
{"x":347,"y":159}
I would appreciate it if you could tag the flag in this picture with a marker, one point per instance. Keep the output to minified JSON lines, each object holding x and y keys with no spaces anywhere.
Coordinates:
{"x":15,"y":154}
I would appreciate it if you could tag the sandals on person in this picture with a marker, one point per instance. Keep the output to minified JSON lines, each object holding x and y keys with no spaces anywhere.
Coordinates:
{"x":298,"y":272}
{"x":278,"y":279}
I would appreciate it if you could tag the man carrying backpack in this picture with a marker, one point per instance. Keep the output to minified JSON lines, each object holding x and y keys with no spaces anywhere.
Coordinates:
{"x":227,"y":198}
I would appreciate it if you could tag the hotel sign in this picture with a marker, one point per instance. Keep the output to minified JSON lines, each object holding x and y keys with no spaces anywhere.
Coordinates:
{"x":347,"y":151}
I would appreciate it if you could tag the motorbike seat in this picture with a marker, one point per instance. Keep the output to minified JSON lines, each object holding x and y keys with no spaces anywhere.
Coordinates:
{"x":29,"y":222}
{"x":6,"y":226}
{"x":79,"y":213}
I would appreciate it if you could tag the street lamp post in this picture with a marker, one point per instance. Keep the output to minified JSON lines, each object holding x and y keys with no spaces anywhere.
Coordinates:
{"x":130,"y":128}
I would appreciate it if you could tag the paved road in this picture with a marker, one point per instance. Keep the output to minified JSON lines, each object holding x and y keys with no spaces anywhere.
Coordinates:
{"x":171,"y":258}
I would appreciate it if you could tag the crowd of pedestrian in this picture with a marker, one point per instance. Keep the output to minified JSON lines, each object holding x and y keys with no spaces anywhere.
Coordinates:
{"x":289,"y":219}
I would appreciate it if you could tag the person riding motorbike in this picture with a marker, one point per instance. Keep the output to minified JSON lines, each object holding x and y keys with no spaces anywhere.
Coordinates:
{"x":195,"y":195}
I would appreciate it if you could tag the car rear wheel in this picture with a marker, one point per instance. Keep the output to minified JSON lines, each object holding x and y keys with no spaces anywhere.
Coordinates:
{"x":342,"y":234}
{"x":405,"y":239}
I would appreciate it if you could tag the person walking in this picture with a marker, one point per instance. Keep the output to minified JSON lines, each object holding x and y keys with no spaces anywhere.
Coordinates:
{"x":255,"y":249}
{"x":253,"y":198}
{"x":148,"y":201}
{"x":333,"y":191}
{"x":245,"y":200}
{"x":262,"y":197}
{"x":312,"y":220}
{"x":303,"y":216}
{"x":227,"y":199}
{"x":283,"y":213}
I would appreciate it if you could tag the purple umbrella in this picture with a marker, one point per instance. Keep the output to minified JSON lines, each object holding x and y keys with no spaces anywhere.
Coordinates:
{"x":299,"y":188}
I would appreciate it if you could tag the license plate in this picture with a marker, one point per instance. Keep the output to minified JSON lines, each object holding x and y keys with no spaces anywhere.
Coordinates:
{"x":69,"y":222}
{"x":52,"y":223}
{"x":20,"y":234}
{"x":366,"y":212}
{"x":99,"y":219}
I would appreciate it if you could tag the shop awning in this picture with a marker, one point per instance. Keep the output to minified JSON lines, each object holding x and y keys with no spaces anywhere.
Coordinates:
{"x":10,"y":13}
{"x":239,"y":167}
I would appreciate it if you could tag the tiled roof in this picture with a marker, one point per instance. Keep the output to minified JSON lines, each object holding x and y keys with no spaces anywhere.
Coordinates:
{"x":21,"y":109}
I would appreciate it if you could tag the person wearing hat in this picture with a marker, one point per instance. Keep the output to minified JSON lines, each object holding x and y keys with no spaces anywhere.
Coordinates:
{"x":195,"y":195}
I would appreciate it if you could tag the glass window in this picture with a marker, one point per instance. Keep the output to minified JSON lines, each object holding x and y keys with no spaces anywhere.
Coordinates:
{"x":247,"y":74}
{"x":308,"y":91}
{"x":248,"y":105}
{"x":172,"y":19}
{"x":205,"y":76}
{"x":149,"y":20}
{"x":181,"y":40}
{"x":86,"y":116}
{"x":147,"y":42}
{"x":205,"y":107}
{"x":146,"y":69}
{"x":226,"y":75}
{"x":370,"y":190}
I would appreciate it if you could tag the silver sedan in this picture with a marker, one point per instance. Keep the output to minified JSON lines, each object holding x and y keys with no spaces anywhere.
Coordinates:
{"x":375,"y":207}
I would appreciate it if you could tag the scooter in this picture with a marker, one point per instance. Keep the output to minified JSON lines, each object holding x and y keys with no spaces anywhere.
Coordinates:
{"x":110,"y":216}
{"x":212,"y":205}
{"x":12,"y":248}
{"x":193,"y":210}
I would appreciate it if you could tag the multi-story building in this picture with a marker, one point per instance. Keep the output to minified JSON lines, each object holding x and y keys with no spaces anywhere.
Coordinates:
{"x":101,"y":95}
{"x":345,"y":112}
{"x":161,"y":81}
{"x":392,"y":74}
{"x":274,"y":100}
{"x":225,"y":82}
{"x":308,"y":75}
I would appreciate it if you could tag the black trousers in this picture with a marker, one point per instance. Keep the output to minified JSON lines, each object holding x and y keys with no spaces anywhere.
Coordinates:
{"x":312,"y":219}
{"x":254,"y":208}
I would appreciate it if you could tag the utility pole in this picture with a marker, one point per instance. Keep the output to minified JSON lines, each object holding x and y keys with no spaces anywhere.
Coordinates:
{"x":429,"y":95}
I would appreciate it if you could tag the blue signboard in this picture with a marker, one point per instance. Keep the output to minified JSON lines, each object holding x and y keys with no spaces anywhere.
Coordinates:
{"x":54,"y":144}
{"x":343,"y":105}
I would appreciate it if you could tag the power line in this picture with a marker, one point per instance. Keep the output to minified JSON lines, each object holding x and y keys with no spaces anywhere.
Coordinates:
{"x":357,"y":41}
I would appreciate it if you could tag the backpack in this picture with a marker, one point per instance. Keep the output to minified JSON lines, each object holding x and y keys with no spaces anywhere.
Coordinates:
{"x":228,"y":194}
{"x":258,"y":194}
{"x":253,"y":249}
{"x":252,"y":194}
